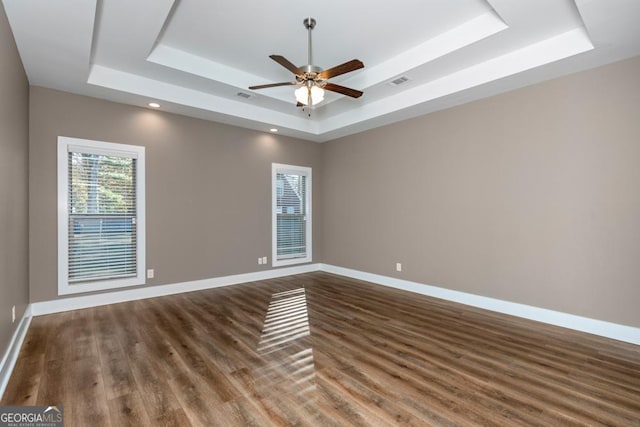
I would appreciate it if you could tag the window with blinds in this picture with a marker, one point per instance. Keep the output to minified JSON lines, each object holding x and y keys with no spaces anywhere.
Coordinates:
{"x":291,"y":214}
{"x":102,"y":229}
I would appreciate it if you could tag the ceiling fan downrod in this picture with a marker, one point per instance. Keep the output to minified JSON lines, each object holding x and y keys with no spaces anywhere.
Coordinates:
{"x":310,"y":24}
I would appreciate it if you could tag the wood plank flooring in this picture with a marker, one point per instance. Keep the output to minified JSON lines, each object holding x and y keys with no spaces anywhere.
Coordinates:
{"x":319,"y":349}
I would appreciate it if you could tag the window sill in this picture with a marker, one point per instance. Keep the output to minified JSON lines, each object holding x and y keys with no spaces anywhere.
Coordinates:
{"x":291,"y":261}
{"x":78,"y":288}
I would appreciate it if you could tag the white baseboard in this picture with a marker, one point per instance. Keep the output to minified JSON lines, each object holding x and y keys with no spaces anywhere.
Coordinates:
{"x":597,"y":327}
{"x":95,"y":300}
{"x":584,"y":324}
{"x":13,"y":350}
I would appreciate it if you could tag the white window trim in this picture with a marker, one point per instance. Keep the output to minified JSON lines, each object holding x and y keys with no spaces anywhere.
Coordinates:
{"x":98,"y":147}
{"x":302,"y":170}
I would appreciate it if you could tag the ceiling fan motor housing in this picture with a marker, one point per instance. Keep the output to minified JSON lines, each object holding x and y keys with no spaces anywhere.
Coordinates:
{"x":310,"y":69}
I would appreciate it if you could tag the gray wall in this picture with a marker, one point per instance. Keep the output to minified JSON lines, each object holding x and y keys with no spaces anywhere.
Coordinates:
{"x":531,"y":196}
{"x":14,"y":208}
{"x":208,"y":186}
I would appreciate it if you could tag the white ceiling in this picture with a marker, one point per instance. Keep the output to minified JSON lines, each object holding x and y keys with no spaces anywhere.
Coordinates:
{"x":195,"y":56}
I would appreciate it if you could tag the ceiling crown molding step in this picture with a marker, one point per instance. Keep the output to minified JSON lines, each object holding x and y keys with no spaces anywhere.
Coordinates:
{"x":195,"y":57}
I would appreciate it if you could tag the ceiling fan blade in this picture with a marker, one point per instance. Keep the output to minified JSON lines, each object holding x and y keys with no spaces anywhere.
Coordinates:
{"x":343,"y":90}
{"x":299,"y":104}
{"x":272,"y":85}
{"x":285,"y":63}
{"x":347,"y":67}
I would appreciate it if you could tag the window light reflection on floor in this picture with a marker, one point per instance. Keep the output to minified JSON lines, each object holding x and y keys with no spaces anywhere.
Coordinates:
{"x":286,"y":320}
{"x":285,"y":343}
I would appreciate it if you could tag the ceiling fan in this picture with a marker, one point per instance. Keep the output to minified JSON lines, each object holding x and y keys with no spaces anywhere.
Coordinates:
{"x":312,"y":79}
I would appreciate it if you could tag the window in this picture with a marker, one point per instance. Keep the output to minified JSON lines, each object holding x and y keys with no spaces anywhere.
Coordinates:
{"x":291,"y":210}
{"x":100,"y":215}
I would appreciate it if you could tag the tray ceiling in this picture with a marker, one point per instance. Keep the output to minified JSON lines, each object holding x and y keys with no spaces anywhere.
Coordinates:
{"x":195,"y":56}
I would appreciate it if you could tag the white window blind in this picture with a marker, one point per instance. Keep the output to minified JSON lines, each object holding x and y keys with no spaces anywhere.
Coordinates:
{"x":291,"y":214}
{"x":102,"y":216}
{"x":101,"y":228}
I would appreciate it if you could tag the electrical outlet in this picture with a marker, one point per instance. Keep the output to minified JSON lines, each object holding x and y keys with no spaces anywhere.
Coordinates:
{"x":13,"y":314}
{"x":150,"y":273}
{"x":264,"y":260}
{"x":260,"y":260}
{"x":398,"y":266}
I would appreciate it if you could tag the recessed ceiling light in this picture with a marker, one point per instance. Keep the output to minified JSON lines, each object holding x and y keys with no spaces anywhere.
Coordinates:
{"x":273,"y":130}
{"x":154,"y":105}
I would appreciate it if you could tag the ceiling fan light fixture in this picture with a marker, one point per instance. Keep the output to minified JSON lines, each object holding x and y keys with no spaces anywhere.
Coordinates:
{"x":315,"y":92}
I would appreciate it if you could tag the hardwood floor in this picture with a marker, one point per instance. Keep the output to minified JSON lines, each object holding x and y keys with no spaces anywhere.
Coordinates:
{"x":319,"y":349}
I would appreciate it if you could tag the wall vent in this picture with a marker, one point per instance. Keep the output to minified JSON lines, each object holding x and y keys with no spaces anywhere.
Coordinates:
{"x":243,"y":95}
{"x":398,"y":81}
